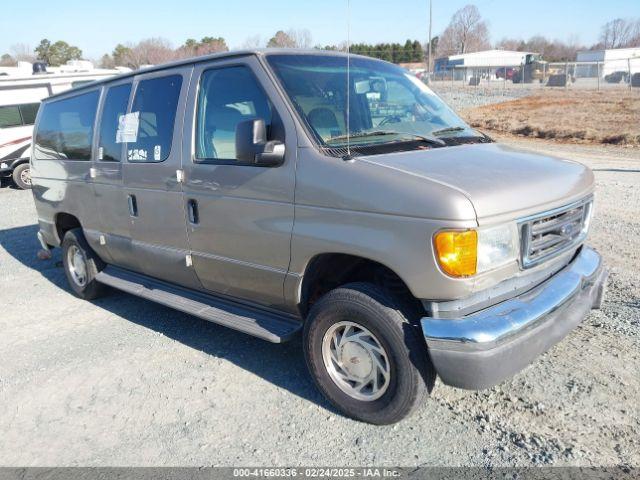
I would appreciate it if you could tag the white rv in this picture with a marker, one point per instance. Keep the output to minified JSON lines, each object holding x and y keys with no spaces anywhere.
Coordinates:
{"x":21,"y":90}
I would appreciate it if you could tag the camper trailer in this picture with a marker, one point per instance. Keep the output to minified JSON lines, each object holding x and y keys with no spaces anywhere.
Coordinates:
{"x":22,"y":88}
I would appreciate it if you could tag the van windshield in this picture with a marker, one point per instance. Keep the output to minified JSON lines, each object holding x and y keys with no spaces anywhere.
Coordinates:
{"x":387,"y":105}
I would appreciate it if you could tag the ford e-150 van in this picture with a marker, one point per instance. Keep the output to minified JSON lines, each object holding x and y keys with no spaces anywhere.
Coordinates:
{"x":330,"y":199}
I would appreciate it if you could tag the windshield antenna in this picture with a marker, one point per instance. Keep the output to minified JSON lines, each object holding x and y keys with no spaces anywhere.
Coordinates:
{"x":348,"y":157}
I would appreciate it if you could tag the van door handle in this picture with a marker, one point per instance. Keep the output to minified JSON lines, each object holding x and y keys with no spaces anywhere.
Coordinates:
{"x":192,"y":209}
{"x":133,"y":205}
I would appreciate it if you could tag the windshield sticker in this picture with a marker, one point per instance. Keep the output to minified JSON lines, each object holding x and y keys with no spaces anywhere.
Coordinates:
{"x":137,"y":154}
{"x":100,"y":153}
{"x":128,"y":127}
{"x":156,"y":153}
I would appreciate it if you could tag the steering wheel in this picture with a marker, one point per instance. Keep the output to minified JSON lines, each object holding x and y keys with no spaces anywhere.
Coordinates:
{"x":390,"y":119}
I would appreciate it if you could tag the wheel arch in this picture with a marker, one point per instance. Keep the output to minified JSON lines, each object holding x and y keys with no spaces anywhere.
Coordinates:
{"x":65,"y":222}
{"x":327,"y":271}
{"x":19,"y":161}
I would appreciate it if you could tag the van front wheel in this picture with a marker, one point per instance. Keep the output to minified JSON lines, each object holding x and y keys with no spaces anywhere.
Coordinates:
{"x":81,"y":265}
{"x":365,"y":356}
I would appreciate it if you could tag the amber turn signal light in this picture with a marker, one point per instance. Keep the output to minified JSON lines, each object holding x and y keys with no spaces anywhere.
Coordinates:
{"x":457,"y":252}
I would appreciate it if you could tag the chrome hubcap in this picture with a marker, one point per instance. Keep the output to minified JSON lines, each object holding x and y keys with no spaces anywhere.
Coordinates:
{"x":25,"y":176}
{"x":356,"y":361}
{"x":77,"y":265}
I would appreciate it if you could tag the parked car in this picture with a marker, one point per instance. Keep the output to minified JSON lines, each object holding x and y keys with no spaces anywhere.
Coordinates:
{"x":393,"y":240}
{"x":617,"y":77}
{"x":505,"y":72}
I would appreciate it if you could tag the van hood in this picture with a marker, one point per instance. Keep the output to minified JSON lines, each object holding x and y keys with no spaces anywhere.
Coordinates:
{"x":499,"y":180}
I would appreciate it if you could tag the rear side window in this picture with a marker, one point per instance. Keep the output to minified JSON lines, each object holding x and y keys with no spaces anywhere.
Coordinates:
{"x":65,"y":129}
{"x":154,"y":111}
{"x":29,"y":112}
{"x":10,"y":117}
{"x":115,"y":106}
{"x":18,"y":115}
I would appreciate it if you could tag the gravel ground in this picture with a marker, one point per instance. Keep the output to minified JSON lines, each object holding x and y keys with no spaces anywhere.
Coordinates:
{"x":460,"y":98}
{"x":122,"y":381}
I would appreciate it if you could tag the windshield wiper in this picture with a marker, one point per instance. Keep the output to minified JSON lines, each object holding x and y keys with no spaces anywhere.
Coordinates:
{"x":379,"y":133}
{"x":447,"y":130}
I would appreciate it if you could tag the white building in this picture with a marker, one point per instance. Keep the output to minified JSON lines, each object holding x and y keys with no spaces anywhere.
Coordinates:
{"x":611,"y":60}
{"x":490,"y":58}
{"x":483,"y":63}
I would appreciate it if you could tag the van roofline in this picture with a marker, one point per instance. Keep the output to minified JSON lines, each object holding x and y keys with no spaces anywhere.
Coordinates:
{"x":206,"y":58}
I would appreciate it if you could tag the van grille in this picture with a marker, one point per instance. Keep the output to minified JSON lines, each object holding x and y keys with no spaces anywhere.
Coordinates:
{"x":548,"y":234}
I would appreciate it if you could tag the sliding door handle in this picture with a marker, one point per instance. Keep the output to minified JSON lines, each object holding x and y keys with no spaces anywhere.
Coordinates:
{"x":133,"y":205}
{"x":192,"y":209}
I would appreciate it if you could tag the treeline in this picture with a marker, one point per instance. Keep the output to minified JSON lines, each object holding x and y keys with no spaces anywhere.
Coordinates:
{"x":411,"y":52}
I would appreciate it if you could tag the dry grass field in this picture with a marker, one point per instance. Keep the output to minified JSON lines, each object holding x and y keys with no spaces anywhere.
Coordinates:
{"x":577,"y":116}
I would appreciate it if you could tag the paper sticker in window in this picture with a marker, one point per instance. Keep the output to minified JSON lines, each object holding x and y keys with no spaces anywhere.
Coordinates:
{"x":128,"y":127}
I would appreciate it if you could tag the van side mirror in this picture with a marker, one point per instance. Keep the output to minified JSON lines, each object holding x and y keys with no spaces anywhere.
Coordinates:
{"x":252,"y":146}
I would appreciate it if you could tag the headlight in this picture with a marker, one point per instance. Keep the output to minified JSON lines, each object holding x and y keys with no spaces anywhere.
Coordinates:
{"x":463,"y":253}
{"x":497,"y":246}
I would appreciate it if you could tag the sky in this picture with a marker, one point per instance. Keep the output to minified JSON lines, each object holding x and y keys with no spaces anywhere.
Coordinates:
{"x":96,"y":27}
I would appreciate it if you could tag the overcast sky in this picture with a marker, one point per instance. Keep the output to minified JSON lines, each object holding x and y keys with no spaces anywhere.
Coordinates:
{"x":96,"y":27}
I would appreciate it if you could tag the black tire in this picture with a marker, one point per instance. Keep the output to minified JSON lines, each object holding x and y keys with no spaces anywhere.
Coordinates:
{"x":18,"y":176}
{"x":411,"y":374}
{"x":90,"y":288}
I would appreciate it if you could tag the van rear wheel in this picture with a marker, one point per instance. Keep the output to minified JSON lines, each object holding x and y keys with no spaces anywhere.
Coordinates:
{"x":81,"y":265}
{"x":365,"y":356}
{"x":22,"y":176}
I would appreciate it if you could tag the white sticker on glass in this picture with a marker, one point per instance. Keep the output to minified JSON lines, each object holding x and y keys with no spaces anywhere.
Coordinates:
{"x":139,"y":154}
{"x":156,"y":153}
{"x":100,"y":153}
{"x":128,"y":127}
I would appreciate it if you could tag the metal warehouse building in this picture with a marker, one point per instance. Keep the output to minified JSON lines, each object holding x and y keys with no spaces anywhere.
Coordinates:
{"x":484,"y":60}
{"x":612,"y":60}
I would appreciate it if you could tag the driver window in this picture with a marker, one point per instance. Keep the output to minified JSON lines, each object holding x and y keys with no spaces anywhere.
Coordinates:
{"x":227,"y":97}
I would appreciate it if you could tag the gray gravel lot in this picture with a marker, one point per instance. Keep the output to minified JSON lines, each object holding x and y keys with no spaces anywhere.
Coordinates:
{"x":460,"y":98}
{"x":122,"y":381}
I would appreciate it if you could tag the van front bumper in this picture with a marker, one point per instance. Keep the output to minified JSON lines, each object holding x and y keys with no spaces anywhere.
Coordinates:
{"x":481,"y":349}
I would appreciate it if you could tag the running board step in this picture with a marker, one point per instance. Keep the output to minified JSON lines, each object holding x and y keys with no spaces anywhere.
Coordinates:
{"x":268,"y":325}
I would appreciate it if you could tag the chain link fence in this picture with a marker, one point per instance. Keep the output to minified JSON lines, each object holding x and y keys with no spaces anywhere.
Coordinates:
{"x":622,"y":74}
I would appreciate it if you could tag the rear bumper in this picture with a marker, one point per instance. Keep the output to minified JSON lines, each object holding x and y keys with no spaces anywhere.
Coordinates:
{"x":481,"y":349}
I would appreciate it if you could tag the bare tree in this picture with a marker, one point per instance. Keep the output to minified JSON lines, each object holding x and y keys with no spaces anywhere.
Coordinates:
{"x":510,"y":44}
{"x":21,"y":52}
{"x":254,"y":41}
{"x":620,"y":33}
{"x":301,"y":38}
{"x":151,"y":51}
{"x":551,"y":50}
{"x":467,"y":32}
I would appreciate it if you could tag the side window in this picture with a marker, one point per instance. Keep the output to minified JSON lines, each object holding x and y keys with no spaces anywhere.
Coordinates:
{"x":10,"y":117}
{"x":115,"y":106}
{"x":65,"y":129}
{"x":154,"y":112}
{"x":29,"y":112}
{"x":18,"y":115}
{"x":227,"y":97}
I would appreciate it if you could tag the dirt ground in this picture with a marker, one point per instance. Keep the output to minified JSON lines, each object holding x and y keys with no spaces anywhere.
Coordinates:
{"x":578,"y":116}
{"x":122,"y":381}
